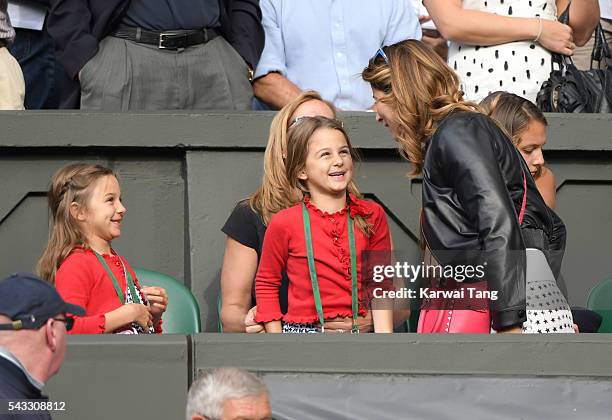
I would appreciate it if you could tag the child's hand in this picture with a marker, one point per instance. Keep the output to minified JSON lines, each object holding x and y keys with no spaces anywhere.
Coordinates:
{"x":158,"y":300}
{"x":249,"y":322}
{"x":141,"y":315}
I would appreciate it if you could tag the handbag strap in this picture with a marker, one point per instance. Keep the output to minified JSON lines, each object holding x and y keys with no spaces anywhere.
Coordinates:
{"x":524,"y":203}
{"x":601,"y":49}
{"x":313,"y":270}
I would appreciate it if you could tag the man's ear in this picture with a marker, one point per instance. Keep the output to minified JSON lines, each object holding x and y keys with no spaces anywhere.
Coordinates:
{"x":77,"y":211}
{"x":50,"y":334}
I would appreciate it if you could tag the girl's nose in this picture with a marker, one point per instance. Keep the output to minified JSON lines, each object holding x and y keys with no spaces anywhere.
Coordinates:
{"x":338,"y":161}
{"x":538,"y":158}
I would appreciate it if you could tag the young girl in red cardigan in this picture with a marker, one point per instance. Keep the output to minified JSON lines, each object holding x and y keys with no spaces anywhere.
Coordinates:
{"x":86,"y":211}
{"x":319,"y":242}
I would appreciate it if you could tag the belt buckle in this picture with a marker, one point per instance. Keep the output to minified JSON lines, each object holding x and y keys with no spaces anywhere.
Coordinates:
{"x":162,"y":38}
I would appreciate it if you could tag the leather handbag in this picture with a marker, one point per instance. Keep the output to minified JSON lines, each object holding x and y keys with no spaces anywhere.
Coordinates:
{"x":571,"y":90}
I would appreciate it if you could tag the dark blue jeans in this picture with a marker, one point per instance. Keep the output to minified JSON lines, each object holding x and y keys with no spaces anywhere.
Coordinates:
{"x":35,"y":53}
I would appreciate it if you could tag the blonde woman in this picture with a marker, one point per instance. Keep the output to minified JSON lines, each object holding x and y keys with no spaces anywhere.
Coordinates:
{"x":246,"y":226}
{"x":474,"y":186}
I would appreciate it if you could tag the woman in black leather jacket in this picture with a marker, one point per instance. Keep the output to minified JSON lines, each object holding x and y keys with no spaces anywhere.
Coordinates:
{"x":474,"y":181}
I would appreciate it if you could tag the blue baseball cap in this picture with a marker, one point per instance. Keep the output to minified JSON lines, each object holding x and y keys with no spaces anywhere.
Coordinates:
{"x":30,"y":302}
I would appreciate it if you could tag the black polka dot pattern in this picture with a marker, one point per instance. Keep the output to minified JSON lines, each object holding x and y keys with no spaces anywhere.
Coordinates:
{"x":518,"y":67}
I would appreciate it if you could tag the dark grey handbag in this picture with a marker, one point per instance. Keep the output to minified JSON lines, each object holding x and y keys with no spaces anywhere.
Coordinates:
{"x":579,"y":91}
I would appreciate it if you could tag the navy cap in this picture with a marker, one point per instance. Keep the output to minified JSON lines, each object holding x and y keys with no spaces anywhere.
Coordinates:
{"x":30,"y":302}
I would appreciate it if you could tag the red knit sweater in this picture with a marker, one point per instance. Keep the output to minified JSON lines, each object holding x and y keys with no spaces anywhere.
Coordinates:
{"x":284,"y":249}
{"x":82,"y":280}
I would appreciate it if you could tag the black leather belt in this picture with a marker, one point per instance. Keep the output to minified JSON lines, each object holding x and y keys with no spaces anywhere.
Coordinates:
{"x":166,"y":40}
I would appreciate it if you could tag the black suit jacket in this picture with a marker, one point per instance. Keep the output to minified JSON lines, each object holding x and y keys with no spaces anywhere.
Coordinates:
{"x":77,"y":26}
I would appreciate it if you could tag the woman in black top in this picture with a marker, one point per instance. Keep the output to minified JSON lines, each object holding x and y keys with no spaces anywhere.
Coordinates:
{"x":246,"y":226}
{"x":473,"y":180}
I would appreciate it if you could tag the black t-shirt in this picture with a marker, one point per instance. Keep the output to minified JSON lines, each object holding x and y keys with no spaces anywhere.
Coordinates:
{"x":246,"y":226}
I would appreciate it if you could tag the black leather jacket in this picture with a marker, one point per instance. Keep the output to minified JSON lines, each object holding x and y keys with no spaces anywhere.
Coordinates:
{"x":472,"y":194}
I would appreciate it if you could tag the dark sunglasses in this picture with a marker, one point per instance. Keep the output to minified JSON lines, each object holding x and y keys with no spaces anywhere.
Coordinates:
{"x":381,"y":53}
{"x":69,"y":321}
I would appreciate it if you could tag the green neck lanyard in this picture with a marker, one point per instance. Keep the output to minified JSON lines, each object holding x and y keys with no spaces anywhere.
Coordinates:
{"x":128,"y":277}
{"x":313,"y":271}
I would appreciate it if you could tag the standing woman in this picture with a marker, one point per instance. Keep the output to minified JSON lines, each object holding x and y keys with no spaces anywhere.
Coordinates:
{"x":507,"y":44}
{"x":246,"y":225}
{"x":473,"y":182}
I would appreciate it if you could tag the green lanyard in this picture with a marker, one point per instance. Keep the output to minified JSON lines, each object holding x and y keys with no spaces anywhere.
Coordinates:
{"x":313,"y":271}
{"x":128,"y":277}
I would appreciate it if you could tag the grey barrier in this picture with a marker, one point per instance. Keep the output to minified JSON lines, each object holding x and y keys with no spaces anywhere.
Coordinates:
{"x":181,"y":175}
{"x":343,"y":376}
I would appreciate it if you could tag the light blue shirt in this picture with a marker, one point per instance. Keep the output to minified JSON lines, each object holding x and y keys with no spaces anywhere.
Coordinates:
{"x":325,"y":44}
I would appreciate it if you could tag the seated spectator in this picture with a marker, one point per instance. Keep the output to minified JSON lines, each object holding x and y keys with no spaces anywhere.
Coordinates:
{"x":154,"y":54}
{"x":86,"y":212}
{"x":526,"y":126}
{"x":311,"y":46}
{"x":33,"y":324}
{"x":507,"y":45}
{"x":228,"y":394}
{"x":246,"y":226}
{"x":12,"y":86}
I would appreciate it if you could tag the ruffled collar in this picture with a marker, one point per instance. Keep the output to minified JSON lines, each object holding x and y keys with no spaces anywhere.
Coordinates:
{"x":354,"y":205}
{"x":89,"y":250}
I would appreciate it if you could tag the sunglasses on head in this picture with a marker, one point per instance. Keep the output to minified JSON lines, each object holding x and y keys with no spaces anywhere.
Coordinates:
{"x":381,"y":53}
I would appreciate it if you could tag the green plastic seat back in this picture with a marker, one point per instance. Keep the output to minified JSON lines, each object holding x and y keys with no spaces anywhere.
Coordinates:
{"x":183,"y":313}
{"x":219,"y":304}
{"x":600,"y":301}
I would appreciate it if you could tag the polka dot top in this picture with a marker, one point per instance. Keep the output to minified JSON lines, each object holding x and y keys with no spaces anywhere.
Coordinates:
{"x":517,"y":67}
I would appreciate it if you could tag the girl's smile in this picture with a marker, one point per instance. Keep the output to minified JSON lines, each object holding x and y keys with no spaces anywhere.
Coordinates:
{"x":103,"y":214}
{"x":329,"y":165}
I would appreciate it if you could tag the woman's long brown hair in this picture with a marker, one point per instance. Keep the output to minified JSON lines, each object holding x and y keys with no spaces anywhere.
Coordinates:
{"x":422,"y":90}
{"x":71,"y":184}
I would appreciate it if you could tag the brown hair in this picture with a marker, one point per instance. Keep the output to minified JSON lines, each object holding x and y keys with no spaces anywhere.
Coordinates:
{"x":422,"y":90}
{"x":297,"y":152}
{"x":71,"y":184}
{"x":275,"y":192}
{"x":512,"y":112}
